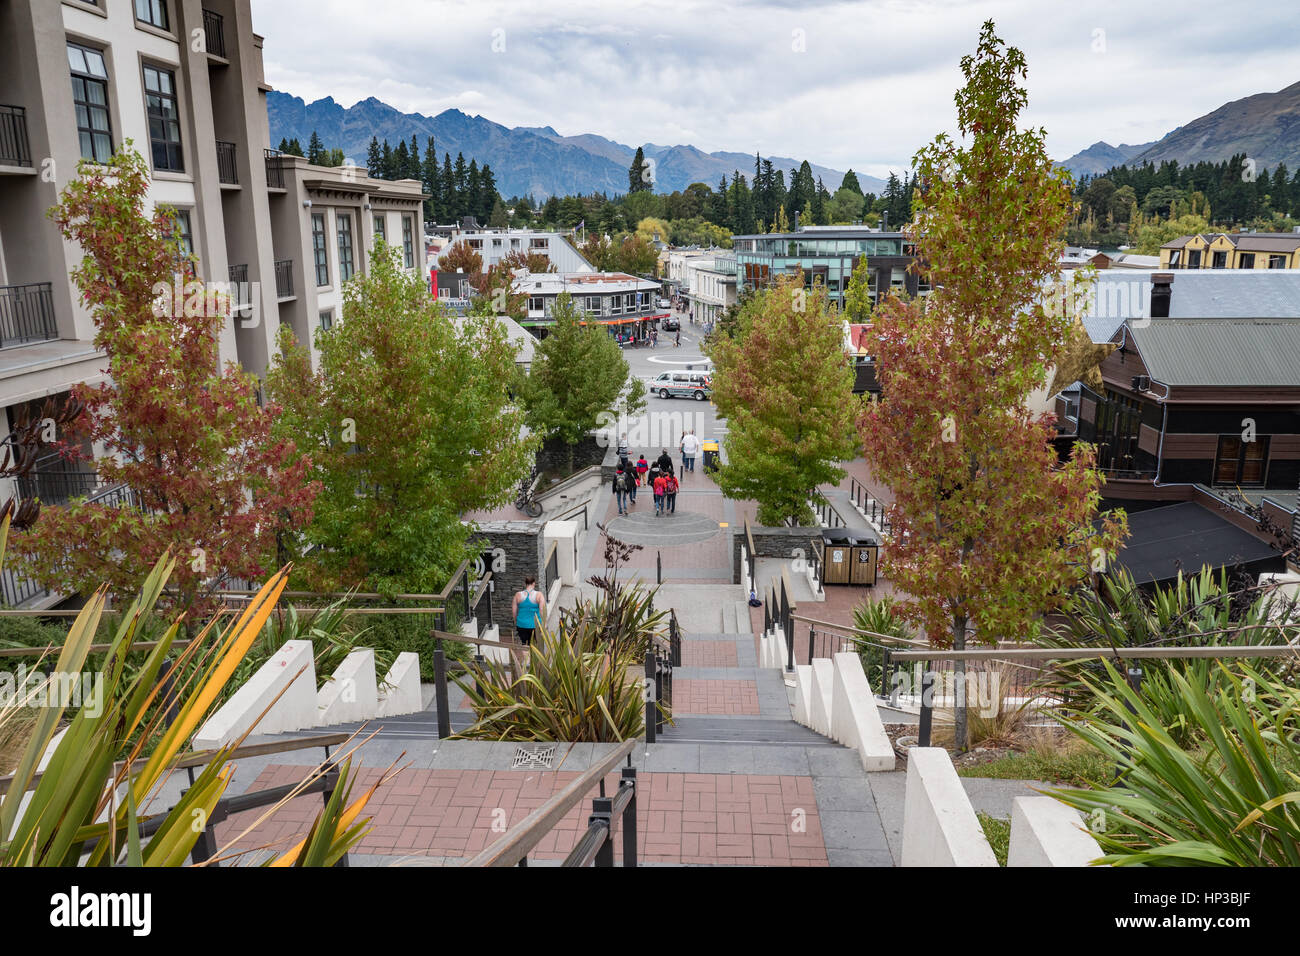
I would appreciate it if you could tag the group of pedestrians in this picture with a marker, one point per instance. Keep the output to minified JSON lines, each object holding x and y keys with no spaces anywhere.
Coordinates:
{"x":659,"y":476}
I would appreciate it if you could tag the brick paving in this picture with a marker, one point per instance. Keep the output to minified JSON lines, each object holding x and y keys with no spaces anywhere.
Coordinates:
{"x":682,"y":818}
{"x":709,"y":654}
{"x":715,"y":697}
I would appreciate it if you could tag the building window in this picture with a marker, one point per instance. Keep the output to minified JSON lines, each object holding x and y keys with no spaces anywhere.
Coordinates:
{"x":1240,"y":462}
{"x":380,"y":226}
{"x":408,"y":243}
{"x":327,"y":320}
{"x":1194,"y":259}
{"x":1277,"y":262}
{"x":1220,"y":260}
{"x":536,"y":303}
{"x":152,"y":12}
{"x":1247,"y":260}
{"x":90,"y":102}
{"x":345,"y":247}
{"x":164,"y":119}
{"x":318,"y":248}
{"x":1175,"y":256}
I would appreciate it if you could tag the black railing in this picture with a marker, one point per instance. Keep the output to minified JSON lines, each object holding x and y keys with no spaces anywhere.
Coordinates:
{"x":659,"y":684}
{"x":214,"y":33}
{"x":826,"y":513}
{"x":15,"y":150}
{"x":875,"y":510}
{"x":16,"y":589}
{"x":674,"y":638}
{"x":27,"y":314}
{"x":57,"y":485}
{"x":552,"y":573}
{"x":240,"y":295}
{"x":227,"y":165}
{"x":596,"y":846}
{"x":284,"y":278}
{"x":750,"y":557}
{"x":274,"y":171}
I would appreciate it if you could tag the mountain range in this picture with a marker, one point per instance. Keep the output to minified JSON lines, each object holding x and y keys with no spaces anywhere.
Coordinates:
{"x":535,"y":161}
{"x":1265,"y":126}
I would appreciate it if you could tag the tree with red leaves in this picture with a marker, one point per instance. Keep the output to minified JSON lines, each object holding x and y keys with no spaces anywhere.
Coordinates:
{"x":988,"y":529}
{"x":186,"y":437}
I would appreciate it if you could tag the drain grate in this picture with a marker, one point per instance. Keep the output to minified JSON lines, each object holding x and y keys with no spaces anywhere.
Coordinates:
{"x":539,"y":758}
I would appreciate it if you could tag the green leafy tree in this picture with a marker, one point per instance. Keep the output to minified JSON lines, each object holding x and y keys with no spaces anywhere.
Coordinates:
{"x":578,"y":374}
{"x":988,"y":528}
{"x":186,"y":436}
{"x":785,"y":386}
{"x":410,"y":424}
{"x":858,"y":302}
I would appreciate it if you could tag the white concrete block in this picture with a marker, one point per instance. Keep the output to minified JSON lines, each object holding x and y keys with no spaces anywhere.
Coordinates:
{"x":401,"y":693}
{"x":823,"y":681}
{"x":292,"y":666}
{"x":939,"y":824}
{"x":1045,"y":832}
{"x":855,"y":717}
{"x":803,"y":694}
{"x":350,"y":694}
{"x":501,"y":654}
{"x":565,"y":534}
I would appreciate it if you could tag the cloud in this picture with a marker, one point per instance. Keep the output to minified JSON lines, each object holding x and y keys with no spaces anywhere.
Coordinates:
{"x":861,"y":84}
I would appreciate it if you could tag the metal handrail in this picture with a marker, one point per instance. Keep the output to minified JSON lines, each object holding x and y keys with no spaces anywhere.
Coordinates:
{"x":1082,"y":653}
{"x":516,"y":844}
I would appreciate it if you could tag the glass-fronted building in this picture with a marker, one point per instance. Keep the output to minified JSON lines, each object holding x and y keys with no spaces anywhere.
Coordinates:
{"x":828,"y":254}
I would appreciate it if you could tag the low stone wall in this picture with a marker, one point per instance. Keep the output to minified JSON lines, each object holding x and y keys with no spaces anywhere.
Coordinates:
{"x":784,"y":543}
{"x":512,"y":549}
{"x":554,"y":454}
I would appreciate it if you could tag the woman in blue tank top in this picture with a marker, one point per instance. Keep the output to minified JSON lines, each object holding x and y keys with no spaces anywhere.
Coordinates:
{"x":529,"y":604}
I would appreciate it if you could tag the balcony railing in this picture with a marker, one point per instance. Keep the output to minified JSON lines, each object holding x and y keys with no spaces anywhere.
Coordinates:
{"x":274,"y":171}
{"x":240,"y":293}
{"x":227,"y":167}
{"x":214,"y":33}
{"x":15,"y":589}
{"x":284,"y":278}
{"x":15,"y":150}
{"x":27,"y":314}
{"x":58,"y":484}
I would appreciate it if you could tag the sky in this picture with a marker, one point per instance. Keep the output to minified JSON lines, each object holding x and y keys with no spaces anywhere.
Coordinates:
{"x":857,"y":85}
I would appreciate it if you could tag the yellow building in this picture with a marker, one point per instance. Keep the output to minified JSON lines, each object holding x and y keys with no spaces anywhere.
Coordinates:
{"x":1238,"y":250}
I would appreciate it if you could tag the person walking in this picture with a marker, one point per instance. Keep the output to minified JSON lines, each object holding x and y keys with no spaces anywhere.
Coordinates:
{"x":620,"y":489}
{"x":670,"y":494}
{"x":654,"y":338}
{"x":528,"y":605}
{"x":622,"y":447}
{"x":660,"y":487}
{"x":678,"y":343}
{"x":664,"y":462}
{"x":642,"y":466}
{"x":690,"y":448}
{"x":681,"y":447}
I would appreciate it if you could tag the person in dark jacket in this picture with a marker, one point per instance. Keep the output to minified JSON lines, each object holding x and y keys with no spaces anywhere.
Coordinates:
{"x":664,"y":463}
{"x":620,"y":489}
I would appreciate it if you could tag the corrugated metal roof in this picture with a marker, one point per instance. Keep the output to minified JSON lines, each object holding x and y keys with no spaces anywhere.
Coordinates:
{"x":1196,"y":293}
{"x":1258,"y":352}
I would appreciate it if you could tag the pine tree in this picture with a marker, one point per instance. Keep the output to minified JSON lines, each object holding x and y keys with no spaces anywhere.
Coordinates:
{"x":314,"y":149}
{"x":432,"y":182}
{"x":284,"y":145}
{"x":374,"y":160}
{"x":401,"y":161}
{"x":473,"y":199}
{"x":850,"y":181}
{"x":487,"y":187}
{"x":462,"y":187}
{"x":386,"y":161}
{"x":295,"y":148}
{"x":449,"y":196}
{"x":413,"y":159}
{"x":639,"y":174}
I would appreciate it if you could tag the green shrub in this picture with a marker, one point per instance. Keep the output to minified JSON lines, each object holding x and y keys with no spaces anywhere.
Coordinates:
{"x":998,"y":832}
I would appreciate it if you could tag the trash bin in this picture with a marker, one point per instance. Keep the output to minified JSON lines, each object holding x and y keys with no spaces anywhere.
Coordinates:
{"x":863,"y":560}
{"x":837,"y":557}
{"x":711,"y":455}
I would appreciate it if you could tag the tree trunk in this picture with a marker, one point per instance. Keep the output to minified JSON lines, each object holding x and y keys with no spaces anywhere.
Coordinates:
{"x":959,"y":690}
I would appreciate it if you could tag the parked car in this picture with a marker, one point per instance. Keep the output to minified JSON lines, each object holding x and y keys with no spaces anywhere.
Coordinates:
{"x":662,"y":303}
{"x":696,"y":385}
{"x":671,"y":324}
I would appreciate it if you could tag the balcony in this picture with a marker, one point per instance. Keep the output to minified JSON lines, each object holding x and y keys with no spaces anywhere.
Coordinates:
{"x":227,"y":166}
{"x":241,"y":297}
{"x":27,"y":314}
{"x":214,"y":33}
{"x":274,"y":171}
{"x":15,"y":150}
{"x":284,"y":279}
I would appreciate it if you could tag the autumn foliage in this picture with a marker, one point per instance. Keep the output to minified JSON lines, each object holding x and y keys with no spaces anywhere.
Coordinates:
{"x":185,"y":436}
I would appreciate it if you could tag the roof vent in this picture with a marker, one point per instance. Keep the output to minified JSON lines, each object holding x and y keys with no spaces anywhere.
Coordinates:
{"x":1161,"y":293}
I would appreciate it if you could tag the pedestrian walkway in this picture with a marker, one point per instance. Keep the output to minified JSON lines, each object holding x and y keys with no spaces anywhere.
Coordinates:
{"x":734,"y":780}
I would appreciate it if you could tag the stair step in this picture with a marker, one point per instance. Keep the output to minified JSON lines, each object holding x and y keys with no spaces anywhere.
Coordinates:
{"x":734,"y":730}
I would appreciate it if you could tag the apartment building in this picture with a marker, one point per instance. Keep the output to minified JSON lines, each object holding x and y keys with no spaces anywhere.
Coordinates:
{"x":493,"y":245}
{"x":1236,"y":250}
{"x":325,"y":222}
{"x":710,"y":287}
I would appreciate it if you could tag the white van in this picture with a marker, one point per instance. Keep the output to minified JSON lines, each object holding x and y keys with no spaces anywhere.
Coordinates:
{"x":696,"y":384}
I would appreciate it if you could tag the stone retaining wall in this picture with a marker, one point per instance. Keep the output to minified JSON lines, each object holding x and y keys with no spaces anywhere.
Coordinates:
{"x":785,"y":543}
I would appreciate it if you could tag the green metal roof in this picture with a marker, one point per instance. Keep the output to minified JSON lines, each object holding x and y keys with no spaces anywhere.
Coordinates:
{"x":1242,"y":353}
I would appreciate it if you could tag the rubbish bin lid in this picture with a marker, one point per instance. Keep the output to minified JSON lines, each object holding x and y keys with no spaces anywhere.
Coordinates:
{"x":709,"y":445}
{"x":835,"y":536}
{"x":863,"y":541}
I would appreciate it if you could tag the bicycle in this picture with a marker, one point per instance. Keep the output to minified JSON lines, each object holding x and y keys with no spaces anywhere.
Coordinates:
{"x":525,"y":500}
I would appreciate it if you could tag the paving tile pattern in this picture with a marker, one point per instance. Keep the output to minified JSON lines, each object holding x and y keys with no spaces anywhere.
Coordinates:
{"x":715,"y":697}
